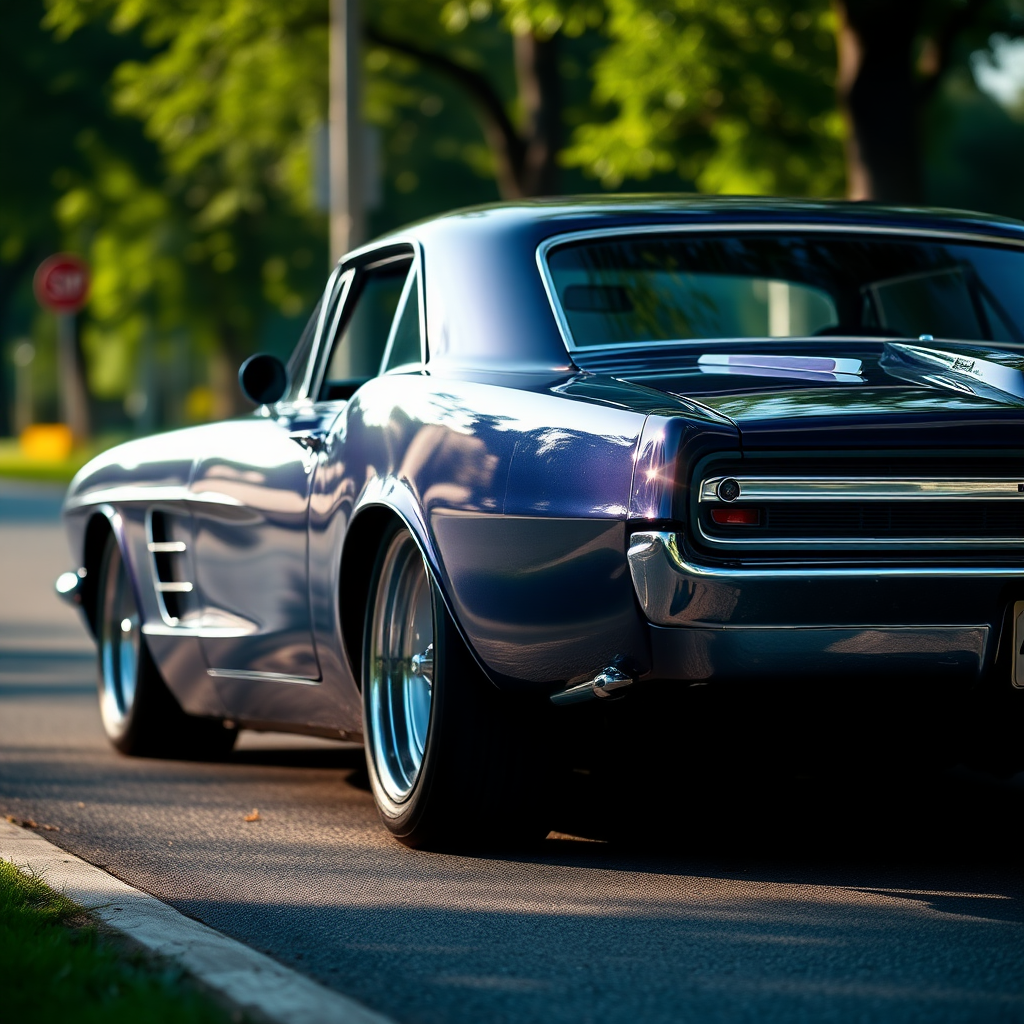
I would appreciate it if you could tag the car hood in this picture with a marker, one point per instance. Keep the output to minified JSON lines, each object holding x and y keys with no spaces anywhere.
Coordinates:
{"x":858,"y":394}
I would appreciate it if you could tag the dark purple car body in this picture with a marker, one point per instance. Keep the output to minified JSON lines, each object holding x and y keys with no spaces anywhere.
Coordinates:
{"x":613,"y":470}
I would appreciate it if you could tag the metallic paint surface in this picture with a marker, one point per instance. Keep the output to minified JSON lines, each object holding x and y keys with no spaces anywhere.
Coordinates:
{"x":827,"y":655}
{"x":523,"y":475}
{"x":675,"y":590}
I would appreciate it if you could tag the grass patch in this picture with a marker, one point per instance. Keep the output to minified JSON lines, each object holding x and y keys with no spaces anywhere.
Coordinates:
{"x":15,"y":464}
{"x":56,"y":966}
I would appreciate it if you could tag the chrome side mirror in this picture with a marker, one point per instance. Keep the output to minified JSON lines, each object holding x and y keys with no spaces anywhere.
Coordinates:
{"x":263,"y":379}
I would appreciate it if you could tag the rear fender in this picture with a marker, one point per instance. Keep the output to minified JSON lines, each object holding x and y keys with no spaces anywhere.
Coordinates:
{"x":384,"y":501}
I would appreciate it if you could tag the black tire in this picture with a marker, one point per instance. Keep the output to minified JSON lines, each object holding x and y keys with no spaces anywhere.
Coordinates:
{"x":473,"y":785}
{"x":140,"y":715}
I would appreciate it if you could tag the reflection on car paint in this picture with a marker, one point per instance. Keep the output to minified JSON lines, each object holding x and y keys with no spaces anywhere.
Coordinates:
{"x":524,"y":472}
{"x":812,"y":368}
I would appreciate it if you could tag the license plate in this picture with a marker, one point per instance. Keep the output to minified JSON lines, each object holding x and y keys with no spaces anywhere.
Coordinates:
{"x":1018,"y":643}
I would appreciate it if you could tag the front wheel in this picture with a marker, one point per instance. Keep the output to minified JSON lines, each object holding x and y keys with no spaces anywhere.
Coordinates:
{"x":140,"y":715}
{"x":443,"y":747}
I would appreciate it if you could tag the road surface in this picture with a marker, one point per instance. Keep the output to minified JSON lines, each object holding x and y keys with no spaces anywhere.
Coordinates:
{"x":772,"y":897}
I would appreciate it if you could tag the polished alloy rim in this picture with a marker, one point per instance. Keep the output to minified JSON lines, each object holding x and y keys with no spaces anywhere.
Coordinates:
{"x":120,"y":639}
{"x":401,"y":664}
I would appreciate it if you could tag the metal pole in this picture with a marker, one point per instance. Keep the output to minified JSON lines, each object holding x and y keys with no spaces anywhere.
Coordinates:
{"x":24,"y":408}
{"x":74,"y":404}
{"x":346,"y":130}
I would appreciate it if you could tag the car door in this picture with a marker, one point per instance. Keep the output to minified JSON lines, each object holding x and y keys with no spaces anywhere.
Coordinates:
{"x":250,"y":499}
{"x":251,"y":492}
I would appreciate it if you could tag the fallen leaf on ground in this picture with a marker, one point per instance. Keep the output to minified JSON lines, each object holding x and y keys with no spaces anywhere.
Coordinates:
{"x":51,"y":828}
{"x":254,"y":816}
{"x":23,"y":822}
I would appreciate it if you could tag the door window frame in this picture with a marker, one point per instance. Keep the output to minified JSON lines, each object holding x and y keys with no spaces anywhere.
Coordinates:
{"x":412,"y":284}
{"x":363,"y":263}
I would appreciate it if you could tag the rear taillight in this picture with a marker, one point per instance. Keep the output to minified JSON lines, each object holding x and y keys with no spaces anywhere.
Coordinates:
{"x":736,"y":516}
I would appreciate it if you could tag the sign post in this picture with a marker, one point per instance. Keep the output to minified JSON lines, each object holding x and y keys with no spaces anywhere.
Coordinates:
{"x":61,"y":284}
{"x":346,"y":132}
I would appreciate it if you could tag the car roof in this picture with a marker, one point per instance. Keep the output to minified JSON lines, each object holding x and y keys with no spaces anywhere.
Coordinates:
{"x":557,"y":214}
{"x":485,"y":300}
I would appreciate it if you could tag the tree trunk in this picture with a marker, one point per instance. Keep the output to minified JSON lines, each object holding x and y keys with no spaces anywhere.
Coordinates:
{"x":540,"y":92}
{"x":880,"y":98}
{"x":72,"y":387}
{"x":11,"y":276}
{"x":526,"y":160}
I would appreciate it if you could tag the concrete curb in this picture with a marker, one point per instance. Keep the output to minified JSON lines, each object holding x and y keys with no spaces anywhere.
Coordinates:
{"x":246,"y":978}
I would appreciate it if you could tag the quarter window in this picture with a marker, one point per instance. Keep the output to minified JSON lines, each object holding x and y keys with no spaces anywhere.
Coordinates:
{"x":364,"y":327}
{"x":404,"y":344}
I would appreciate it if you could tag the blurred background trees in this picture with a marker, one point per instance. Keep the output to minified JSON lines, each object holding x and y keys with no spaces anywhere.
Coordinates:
{"x":180,"y":145}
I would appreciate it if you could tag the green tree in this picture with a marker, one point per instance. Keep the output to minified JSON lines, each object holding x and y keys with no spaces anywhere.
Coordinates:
{"x":523,"y":115}
{"x":799,"y":97}
{"x":226,"y":235}
{"x":728,"y":96}
{"x":54,"y":118}
{"x":232,"y":96}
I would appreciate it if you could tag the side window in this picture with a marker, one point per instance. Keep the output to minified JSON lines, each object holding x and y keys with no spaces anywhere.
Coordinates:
{"x":299,"y":359}
{"x":404,"y":344}
{"x":365,"y":328}
{"x":298,"y":362}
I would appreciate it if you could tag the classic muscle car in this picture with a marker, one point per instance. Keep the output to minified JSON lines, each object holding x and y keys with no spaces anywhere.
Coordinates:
{"x":528,"y":455}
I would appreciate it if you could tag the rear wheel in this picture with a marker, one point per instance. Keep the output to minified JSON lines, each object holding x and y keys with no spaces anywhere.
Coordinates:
{"x":140,"y":715}
{"x":443,"y":746}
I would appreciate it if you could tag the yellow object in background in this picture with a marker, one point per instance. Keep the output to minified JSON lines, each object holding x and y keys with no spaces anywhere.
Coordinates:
{"x":46,"y":442}
{"x":200,"y":404}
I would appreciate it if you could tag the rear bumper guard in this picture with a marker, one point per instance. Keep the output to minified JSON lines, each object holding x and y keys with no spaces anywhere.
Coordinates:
{"x":788,"y":622}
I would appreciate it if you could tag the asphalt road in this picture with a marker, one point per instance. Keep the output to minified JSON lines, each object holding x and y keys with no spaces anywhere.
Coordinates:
{"x":769,"y":897}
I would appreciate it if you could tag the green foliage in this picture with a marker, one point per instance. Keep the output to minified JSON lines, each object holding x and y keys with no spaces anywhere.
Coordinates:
{"x":178,"y":143}
{"x":728,"y":95}
{"x":50,"y":972}
{"x":53,"y":96}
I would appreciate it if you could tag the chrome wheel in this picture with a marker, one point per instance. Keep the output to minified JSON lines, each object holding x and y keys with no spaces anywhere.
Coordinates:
{"x":399,"y":687}
{"x":119,"y":642}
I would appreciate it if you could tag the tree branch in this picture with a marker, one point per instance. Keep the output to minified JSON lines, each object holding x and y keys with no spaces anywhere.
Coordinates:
{"x":501,"y":135}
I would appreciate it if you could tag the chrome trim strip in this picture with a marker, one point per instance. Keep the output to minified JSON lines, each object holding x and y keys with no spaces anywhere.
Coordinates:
{"x":173,"y":588}
{"x":844,"y":488}
{"x":166,"y":547}
{"x":135,"y":494}
{"x":651,"y":542}
{"x":170,"y":629}
{"x":272,"y":677}
{"x":860,"y":543}
{"x":719,"y":228}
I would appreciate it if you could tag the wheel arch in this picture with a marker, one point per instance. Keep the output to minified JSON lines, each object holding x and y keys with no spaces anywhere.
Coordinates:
{"x":103,"y":523}
{"x":366,"y":531}
{"x":359,"y":554}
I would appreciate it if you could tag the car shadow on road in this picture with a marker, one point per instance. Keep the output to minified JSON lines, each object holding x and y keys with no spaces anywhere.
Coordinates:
{"x":348,"y":758}
{"x":952,"y":831}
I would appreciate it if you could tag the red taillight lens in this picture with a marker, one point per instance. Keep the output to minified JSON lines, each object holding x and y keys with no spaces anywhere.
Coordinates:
{"x":736,"y":516}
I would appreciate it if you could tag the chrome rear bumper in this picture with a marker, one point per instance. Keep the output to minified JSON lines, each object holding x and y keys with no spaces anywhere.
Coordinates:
{"x":714,"y":622}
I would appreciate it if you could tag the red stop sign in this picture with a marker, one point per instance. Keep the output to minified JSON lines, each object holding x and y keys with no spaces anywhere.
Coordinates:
{"x":62,"y":283}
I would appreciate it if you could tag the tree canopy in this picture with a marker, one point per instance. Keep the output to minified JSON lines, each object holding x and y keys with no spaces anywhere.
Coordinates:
{"x":179,"y":144}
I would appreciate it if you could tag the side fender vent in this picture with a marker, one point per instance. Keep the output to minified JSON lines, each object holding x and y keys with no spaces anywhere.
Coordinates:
{"x":169,"y":551}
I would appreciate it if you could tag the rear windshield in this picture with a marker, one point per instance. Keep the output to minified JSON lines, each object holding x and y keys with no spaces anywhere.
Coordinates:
{"x":759,"y":285}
